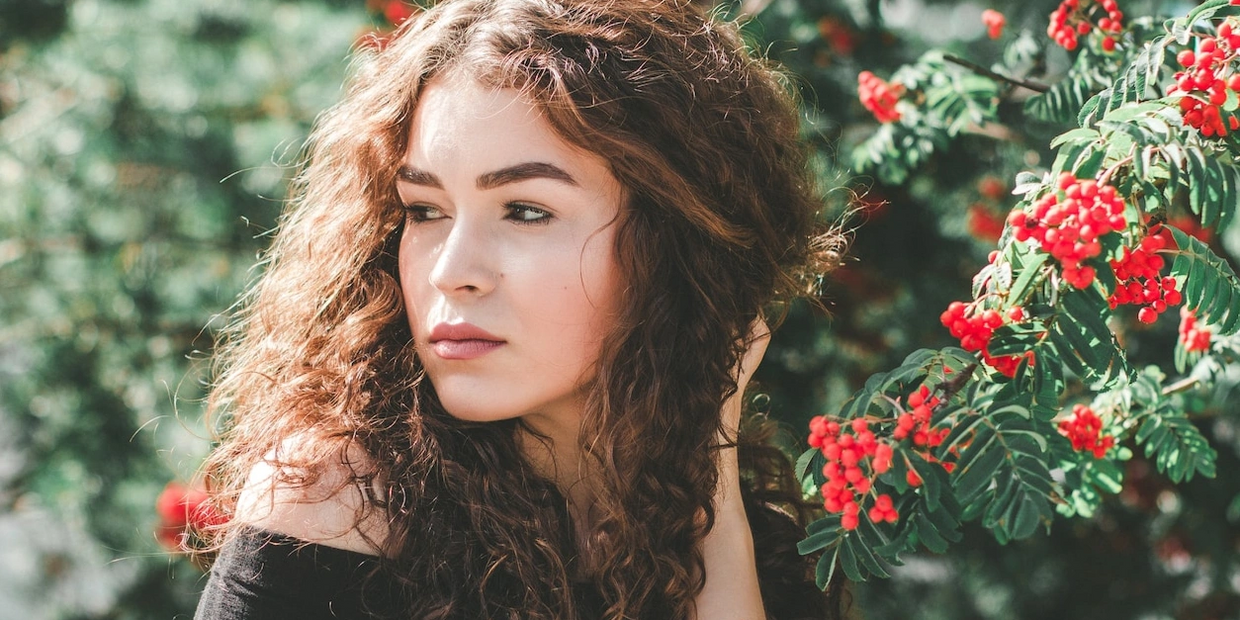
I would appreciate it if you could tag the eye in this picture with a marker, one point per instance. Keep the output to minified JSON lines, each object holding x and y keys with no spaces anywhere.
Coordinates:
{"x":422,"y":213}
{"x":526,"y":214}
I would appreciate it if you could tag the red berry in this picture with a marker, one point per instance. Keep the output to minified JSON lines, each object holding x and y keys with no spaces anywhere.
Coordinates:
{"x":913,"y":479}
{"x":849,"y":522}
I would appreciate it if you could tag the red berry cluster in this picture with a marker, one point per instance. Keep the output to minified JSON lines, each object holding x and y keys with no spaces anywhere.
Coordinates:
{"x":974,"y":330}
{"x":1084,"y":429}
{"x":1203,"y":84}
{"x":394,"y":12}
{"x":1071,"y":19}
{"x":1194,"y":336}
{"x":1067,"y":224}
{"x":879,"y":97}
{"x":917,"y":422}
{"x":984,"y":223}
{"x":1137,"y":280}
{"x":182,"y":511}
{"x":994,"y":21}
{"x":854,"y":460}
{"x":839,"y":36}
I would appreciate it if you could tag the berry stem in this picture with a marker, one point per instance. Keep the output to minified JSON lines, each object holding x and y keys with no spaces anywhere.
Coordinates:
{"x":980,"y":70}
{"x":1105,"y":177}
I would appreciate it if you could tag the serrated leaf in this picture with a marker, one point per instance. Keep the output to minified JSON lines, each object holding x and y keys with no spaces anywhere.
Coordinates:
{"x":1025,"y":517}
{"x":929,"y":535}
{"x":825,"y":569}
{"x":1079,"y":135}
{"x":803,"y":461}
{"x":977,"y":476}
{"x":932,"y":482}
{"x":816,"y":541}
{"x":1210,"y":288}
{"x":848,"y":562}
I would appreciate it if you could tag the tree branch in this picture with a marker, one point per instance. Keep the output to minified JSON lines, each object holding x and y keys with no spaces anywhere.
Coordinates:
{"x":980,"y":70}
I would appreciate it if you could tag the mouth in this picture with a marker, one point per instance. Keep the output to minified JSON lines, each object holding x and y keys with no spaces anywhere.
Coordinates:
{"x":464,"y":349}
{"x":462,"y":341}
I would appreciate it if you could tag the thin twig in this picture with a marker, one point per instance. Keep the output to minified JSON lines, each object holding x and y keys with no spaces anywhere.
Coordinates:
{"x":1105,"y":177}
{"x":1183,"y":385}
{"x":976,"y":68}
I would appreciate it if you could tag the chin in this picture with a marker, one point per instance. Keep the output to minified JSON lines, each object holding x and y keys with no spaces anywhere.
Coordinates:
{"x":475,"y":406}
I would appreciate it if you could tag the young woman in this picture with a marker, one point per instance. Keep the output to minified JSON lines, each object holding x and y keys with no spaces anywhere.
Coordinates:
{"x":494,"y":367}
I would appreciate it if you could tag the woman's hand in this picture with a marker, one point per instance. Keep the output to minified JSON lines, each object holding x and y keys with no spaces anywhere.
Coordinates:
{"x":731,"y":591}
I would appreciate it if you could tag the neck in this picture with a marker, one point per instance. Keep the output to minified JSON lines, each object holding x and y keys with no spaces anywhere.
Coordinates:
{"x":553,"y":450}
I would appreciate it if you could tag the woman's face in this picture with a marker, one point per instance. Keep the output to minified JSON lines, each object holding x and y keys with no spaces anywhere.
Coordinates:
{"x":507,"y":260}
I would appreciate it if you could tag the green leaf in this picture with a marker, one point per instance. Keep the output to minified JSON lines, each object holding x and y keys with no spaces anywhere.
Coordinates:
{"x":978,"y":474}
{"x":804,"y":462}
{"x":1211,"y":288}
{"x":1088,"y":346}
{"x":866,"y":538}
{"x":1065,"y":98}
{"x":1178,"y":447}
{"x":1027,"y":514}
{"x":932,"y":478}
{"x":929,"y":535}
{"x":825,"y":568}
{"x":848,"y":562}
{"x":1028,"y":273}
{"x":1082,"y":135}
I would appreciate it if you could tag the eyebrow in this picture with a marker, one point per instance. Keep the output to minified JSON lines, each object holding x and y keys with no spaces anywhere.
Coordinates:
{"x":491,"y":180}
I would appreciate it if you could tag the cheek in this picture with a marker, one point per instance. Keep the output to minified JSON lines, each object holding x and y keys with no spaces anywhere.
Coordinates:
{"x":570,"y":301}
{"x":411,"y":275}
{"x":599,"y":282}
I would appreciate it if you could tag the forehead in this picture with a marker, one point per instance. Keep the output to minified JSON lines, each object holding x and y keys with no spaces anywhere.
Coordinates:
{"x":462,"y":128}
{"x":455,"y":113}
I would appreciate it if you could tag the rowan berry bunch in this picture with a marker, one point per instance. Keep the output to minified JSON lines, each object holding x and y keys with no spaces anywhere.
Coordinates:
{"x":1207,"y":77}
{"x":184,"y":513}
{"x":917,"y":425}
{"x":394,"y":12}
{"x":1193,"y":335}
{"x":855,"y":457}
{"x":1138,"y":281}
{"x":1083,"y":428}
{"x":994,"y":22}
{"x":974,"y":329}
{"x":879,"y":97}
{"x":1072,"y":19}
{"x":1067,"y":224}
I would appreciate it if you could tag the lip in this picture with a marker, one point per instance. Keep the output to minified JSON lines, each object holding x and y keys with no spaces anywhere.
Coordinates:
{"x":460,"y":331}
{"x":462,"y":341}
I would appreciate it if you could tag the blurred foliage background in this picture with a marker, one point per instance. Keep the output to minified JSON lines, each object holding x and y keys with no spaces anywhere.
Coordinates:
{"x":144,"y":148}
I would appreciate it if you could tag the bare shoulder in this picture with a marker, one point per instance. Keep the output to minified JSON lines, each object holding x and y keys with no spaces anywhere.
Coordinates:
{"x":331,"y":511}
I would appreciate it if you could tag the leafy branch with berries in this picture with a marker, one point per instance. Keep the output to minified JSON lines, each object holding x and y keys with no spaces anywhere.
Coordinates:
{"x":1035,"y":411}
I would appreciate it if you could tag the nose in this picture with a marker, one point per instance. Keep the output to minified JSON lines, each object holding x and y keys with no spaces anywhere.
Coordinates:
{"x":464,"y":262}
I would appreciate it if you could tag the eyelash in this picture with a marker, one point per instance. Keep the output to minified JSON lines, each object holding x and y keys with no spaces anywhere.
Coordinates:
{"x":419,"y":212}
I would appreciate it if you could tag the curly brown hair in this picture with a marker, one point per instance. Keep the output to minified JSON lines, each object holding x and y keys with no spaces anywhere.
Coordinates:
{"x":720,"y":223}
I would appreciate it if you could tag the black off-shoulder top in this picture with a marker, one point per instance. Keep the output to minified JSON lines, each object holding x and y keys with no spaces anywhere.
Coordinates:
{"x":264,"y":575}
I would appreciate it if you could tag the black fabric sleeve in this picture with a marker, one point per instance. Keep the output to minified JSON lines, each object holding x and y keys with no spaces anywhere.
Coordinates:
{"x":269,"y":576}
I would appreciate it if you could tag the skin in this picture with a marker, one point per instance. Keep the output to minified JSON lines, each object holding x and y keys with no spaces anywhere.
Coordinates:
{"x":527,"y":255}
